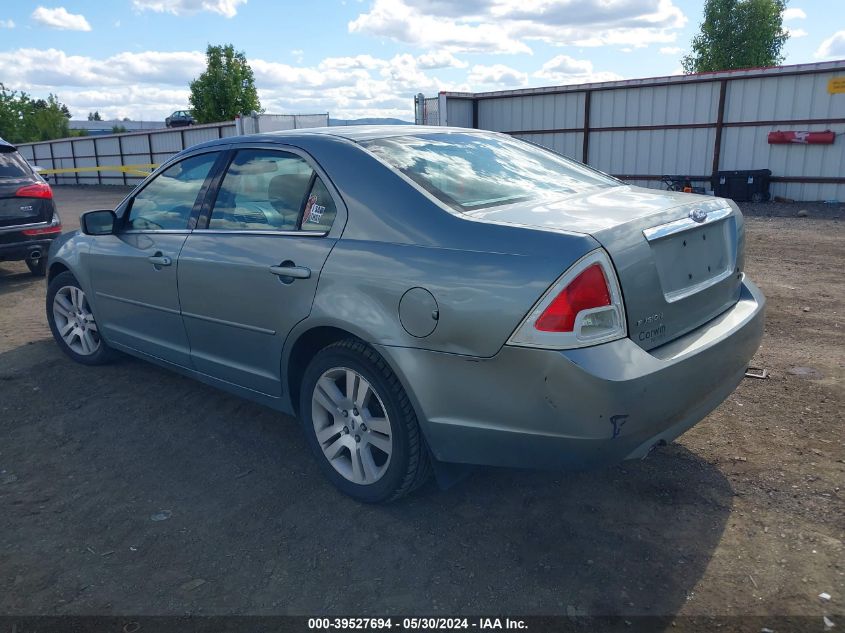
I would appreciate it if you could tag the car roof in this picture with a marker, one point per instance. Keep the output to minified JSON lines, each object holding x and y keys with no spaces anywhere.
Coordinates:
{"x":6,"y":143}
{"x":370,"y":132}
{"x":353,"y":133}
{"x":304,"y":137}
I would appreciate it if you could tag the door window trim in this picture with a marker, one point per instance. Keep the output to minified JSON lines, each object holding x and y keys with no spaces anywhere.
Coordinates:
{"x":125,"y":207}
{"x":207,"y":206}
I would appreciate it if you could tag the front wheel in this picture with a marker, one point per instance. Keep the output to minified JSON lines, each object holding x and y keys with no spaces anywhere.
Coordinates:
{"x":72,"y":322}
{"x":361,"y":425}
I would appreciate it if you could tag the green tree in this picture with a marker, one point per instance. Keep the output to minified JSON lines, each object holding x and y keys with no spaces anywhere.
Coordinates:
{"x":24,"y":119}
{"x":118,"y":129}
{"x":738,"y":34}
{"x":226,"y":88}
{"x":94,"y":116}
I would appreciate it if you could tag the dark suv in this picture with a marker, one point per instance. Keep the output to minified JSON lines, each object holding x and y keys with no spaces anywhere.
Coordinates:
{"x":28,"y":218}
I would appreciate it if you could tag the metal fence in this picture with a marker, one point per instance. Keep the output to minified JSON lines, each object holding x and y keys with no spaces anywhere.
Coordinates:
{"x":694,"y":125}
{"x":427,"y":110}
{"x":255,"y":123}
{"x":87,"y":159}
{"x":139,"y":149}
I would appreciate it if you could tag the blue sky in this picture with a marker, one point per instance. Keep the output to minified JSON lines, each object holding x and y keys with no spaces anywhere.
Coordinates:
{"x":356,"y":58}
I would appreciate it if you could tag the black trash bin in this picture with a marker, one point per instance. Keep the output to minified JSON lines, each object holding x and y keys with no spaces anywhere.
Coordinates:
{"x":743,"y":185}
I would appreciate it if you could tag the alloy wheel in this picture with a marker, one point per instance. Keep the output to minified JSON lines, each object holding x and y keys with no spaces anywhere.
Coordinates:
{"x":352,"y":425}
{"x":75,"y":321}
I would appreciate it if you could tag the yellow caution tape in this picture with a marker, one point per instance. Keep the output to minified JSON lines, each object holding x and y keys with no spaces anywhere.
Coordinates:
{"x":137,"y":170}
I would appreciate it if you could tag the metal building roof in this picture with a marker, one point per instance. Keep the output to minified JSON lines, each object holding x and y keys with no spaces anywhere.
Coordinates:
{"x":793,"y":69}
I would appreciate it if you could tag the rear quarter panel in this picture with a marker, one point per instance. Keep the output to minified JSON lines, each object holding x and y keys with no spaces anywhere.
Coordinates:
{"x":484,"y":276}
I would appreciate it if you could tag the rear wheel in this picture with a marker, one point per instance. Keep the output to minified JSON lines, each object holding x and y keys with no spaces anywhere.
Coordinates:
{"x":361,"y":425}
{"x":37,"y":267}
{"x":72,"y":322}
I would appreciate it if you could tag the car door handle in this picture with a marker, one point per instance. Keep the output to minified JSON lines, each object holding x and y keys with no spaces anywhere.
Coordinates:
{"x":159,"y":260}
{"x":287,"y":269}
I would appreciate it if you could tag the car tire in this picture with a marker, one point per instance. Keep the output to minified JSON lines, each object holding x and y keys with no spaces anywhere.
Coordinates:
{"x":37,"y":267}
{"x":82,"y":341}
{"x":373,"y":465}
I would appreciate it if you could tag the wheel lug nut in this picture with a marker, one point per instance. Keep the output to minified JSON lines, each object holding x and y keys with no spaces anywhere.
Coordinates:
{"x":354,"y":411}
{"x":357,"y":438}
{"x":364,"y":427}
{"x":346,"y":430}
{"x":345,"y":413}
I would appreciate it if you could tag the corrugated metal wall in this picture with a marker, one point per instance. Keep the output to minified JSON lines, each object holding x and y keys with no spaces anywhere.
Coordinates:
{"x":643,"y":129}
{"x":130,"y":148}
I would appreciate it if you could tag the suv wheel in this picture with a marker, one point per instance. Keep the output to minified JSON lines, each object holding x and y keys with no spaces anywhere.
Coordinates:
{"x":37,"y":267}
{"x":361,"y":425}
{"x":72,"y":322}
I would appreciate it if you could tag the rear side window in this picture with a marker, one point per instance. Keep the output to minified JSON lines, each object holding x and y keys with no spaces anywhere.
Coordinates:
{"x":320,"y":209}
{"x":166,"y":202}
{"x":266,"y":190}
{"x":13,"y":165}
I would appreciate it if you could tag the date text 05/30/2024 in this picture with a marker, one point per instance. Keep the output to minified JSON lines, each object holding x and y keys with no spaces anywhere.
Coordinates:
{"x":413,"y":624}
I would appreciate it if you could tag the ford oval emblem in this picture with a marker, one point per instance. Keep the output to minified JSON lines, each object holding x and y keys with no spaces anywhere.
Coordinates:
{"x":698,"y":215}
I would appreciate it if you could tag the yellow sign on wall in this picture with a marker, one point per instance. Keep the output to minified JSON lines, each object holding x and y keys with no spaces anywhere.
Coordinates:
{"x":836,"y":86}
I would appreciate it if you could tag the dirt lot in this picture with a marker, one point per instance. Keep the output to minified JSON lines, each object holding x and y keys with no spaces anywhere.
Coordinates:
{"x":744,"y":515}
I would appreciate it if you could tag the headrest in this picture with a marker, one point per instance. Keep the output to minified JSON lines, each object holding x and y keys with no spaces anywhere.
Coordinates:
{"x":286,"y":191}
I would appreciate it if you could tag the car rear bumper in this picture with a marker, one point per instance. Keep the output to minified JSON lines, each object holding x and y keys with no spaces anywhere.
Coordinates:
{"x":578,"y":408}
{"x":24,"y":247}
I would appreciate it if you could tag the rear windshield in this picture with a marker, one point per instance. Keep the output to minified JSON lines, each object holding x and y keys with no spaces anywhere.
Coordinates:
{"x":12,"y":165}
{"x":472,"y":171}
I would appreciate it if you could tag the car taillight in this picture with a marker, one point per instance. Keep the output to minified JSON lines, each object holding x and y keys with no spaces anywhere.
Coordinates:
{"x":46,"y":230}
{"x":38,"y":190}
{"x":583,"y":307}
{"x":588,"y":290}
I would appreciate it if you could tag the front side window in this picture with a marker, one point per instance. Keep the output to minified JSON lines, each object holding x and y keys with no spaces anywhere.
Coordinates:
{"x":266,"y":190}
{"x":473,"y":171}
{"x":166,"y":202}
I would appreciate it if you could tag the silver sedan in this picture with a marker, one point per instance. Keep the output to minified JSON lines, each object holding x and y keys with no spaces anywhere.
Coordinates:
{"x":420,"y":298}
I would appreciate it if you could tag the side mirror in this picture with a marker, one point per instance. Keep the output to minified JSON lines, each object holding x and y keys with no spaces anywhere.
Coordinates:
{"x":100,"y":222}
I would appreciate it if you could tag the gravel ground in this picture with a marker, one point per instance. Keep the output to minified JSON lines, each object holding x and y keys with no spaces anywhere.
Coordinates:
{"x":129,"y":490}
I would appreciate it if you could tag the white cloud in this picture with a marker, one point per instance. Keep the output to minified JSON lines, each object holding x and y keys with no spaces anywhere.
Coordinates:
{"x":52,"y":67}
{"x":496,"y":75}
{"x":397,"y":20}
{"x":564,"y":69}
{"x":440,"y":59}
{"x":504,"y":26}
{"x":227,"y":8}
{"x":59,"y":18}
{"x":671,"y":50}
{"x":832,"y":47}
{"x":794,"y":13}
{"x":7,"y":24}
{"x":797,"y":33}
{"x":298,"y":55}
{"x":151,"y":84}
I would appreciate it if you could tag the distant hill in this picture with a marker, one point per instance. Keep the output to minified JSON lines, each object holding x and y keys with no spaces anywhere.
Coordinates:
{"x":370,"y":121}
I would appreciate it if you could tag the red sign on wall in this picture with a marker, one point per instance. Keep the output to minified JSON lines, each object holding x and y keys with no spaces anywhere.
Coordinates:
{"x":802,"y":138}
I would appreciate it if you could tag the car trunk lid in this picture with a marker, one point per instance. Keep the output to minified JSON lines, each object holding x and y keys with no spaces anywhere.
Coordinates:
{"x":678,"y":256}
{"x":14,"y":174}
